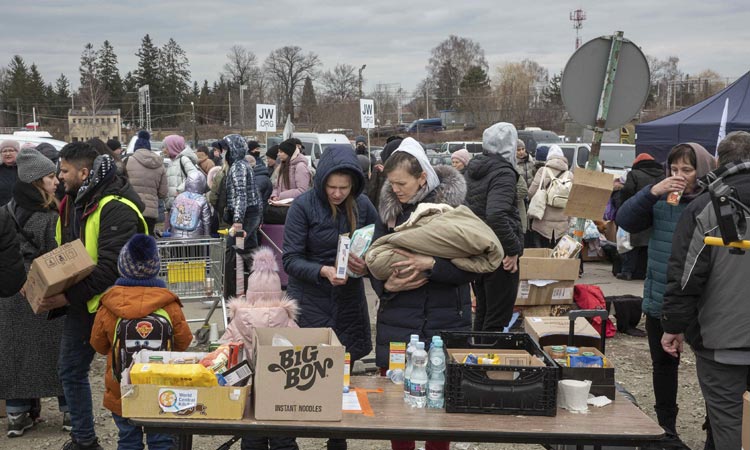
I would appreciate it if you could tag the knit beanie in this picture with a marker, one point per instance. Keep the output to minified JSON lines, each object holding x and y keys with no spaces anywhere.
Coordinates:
{"x":288,"y":147}
{"x":113,"y":144}
{"x":264,"y":279}
{"x":252,"y":145}
{"x":32,"y":165}
{"x":272,"y":152}
{"x":139,"y":258}
{"x":359,"y":139}
{"x":643,"y":157}
{"x":10,"y":143}
{"x":462,"y":155}
{"x":49,"y":151}
{"x":143,"y":141}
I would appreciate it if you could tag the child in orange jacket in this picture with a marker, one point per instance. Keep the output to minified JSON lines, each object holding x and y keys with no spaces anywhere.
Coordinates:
{"x":136,"y":294}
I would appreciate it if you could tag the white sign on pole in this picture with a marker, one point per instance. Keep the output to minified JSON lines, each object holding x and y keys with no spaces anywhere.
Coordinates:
{"x":265,"y":117}
{"x":367,"y":113}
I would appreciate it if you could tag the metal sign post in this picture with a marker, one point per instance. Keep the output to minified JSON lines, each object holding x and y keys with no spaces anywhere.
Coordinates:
{"x":601,"y":118}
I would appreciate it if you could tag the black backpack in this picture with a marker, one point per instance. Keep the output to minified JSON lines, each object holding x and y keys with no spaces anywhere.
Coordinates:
{"x":153,"y":332}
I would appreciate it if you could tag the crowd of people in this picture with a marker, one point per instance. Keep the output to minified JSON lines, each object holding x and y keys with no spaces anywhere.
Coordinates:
{"x":114,"y":202}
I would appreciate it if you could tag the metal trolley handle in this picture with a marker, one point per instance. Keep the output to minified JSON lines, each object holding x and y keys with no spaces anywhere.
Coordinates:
{"x":588,"y":313}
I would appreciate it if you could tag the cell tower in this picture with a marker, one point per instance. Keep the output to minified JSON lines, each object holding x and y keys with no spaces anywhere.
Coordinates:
{"x":577,"y":17}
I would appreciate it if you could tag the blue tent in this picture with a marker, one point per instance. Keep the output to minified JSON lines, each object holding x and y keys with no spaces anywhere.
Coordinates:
{"x":698,"y":123}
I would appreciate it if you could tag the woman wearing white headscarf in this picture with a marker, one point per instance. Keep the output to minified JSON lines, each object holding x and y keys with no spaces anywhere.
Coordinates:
{"x":547,"y":231}
{"x":424,"y":295}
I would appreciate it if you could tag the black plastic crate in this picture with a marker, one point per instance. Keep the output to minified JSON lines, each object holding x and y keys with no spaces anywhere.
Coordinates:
{"x":469,"y":389}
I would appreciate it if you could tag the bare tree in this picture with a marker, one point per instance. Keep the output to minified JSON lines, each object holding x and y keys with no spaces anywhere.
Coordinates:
{"x":241,"y":65}
{"x":92,"y":93}
{"x":287,"y":67}
{"x":341,"y":83}
{"x":448,"y":64}
{"x":518,"y":87}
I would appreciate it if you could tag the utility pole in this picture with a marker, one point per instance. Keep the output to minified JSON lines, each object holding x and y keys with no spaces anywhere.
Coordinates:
{"x":242,"y":104}
{"x":230,"y":108}
{"x":195,"y":130}
{"x":360,"y":79}
{"x":18,"y":114}
{"x":427,"y":100}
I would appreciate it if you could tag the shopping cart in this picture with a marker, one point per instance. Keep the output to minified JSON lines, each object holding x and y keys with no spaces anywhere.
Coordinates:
{"x":193,"y":268}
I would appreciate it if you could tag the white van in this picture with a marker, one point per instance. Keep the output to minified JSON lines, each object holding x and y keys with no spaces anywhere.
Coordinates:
{"x":452,"y":146}
{"x":616,"y":158}
{"x":315,"y":144}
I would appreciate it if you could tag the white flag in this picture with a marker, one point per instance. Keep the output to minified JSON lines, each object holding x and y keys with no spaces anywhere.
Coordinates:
{"x":722,"y":127}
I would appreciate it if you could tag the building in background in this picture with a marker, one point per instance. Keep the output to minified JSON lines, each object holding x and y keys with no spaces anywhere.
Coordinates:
{"x":84,"y":125}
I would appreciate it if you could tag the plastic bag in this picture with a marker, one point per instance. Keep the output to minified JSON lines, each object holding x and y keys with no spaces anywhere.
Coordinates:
{"x":360,"y":243}
{"x":590,"y":231}
{"x":280,"y":341}
{"x":537,"y":205}
{"x":623,"y":241}
{"x":195,"y":375}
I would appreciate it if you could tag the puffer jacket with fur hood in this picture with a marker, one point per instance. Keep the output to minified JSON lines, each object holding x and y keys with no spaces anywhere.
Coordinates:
{"x":148,"y":177}
{"x":299,"y":179}
{"x":554,"y":220}
{"x":444,"y":303}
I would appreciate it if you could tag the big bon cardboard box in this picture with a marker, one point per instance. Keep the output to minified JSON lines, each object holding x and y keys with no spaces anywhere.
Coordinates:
{"x":303,"y":381}
{"x":54,"y":272}
{"x":182,"y":402}
{"x":555,"y":330}
{"x":546,"y":280}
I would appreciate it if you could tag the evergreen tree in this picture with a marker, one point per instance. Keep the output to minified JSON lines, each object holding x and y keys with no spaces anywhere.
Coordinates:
{"x":36,"y":87}
{"x":61,"y":96}
{"x":308,"y":102}
{"x":175,"y":77}
{"x":475,"y":92}
{"x":552,"y":94}
{"x":16,"y":89}
{"x":147,"y":72}
{"x":108,"y":74}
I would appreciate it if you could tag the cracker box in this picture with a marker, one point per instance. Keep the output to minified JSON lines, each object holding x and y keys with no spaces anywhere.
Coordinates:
{"x":555,"y":330}
{"x":303,"y":381}
{"x":183,"y":402}
{"x":54,"y":272}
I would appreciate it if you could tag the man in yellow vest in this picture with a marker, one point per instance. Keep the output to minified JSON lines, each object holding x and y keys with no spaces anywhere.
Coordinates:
{"x":104,"y":211}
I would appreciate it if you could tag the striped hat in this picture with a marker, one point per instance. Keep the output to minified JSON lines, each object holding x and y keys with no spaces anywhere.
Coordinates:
{"x":139,"y":258}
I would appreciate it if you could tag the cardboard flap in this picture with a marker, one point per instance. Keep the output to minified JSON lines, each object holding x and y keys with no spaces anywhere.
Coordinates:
{"x":536,"y":264}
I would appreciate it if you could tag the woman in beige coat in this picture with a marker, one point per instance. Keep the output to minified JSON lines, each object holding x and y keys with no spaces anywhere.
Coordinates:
{"x":554,"y":223}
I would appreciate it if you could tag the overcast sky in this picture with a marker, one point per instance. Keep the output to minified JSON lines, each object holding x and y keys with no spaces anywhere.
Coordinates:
{"x":393,"y":38}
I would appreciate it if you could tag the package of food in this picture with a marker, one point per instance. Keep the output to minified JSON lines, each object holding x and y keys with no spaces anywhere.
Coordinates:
{"x":566,"y":247}
{"x":342,"y":256}
{"x":195,"y":375}
{"x":585,"y":361}
{"x":218,"y":360}
{"x":360,"y":243}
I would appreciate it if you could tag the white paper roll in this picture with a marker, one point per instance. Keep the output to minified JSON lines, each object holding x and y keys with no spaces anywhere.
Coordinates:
{"x":573,"y":395}
{"x":213,"y":333}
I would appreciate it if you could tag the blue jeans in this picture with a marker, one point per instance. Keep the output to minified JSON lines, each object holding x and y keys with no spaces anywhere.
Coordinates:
{"x":73,"y":367}
{"x":130,"y":437}
{"x":23,"y":405}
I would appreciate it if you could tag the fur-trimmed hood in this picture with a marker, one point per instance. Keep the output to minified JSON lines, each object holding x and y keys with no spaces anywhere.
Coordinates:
{"x":450,"y":191}
{"x":270,"y":300}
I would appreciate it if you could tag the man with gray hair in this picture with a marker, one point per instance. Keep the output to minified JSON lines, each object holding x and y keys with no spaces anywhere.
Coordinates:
{"x":703,"y":303}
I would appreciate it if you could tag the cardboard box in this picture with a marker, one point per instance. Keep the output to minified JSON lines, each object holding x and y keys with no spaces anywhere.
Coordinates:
{"x":546,"y":280}
{"x":554,"y":331}
{"x":590,"y":193}
{"x":746,"y":421}
{"x":54,"y":272}
{"x":299,"y":382}
{"x":158,"y":401}
{"x":602,"y":378}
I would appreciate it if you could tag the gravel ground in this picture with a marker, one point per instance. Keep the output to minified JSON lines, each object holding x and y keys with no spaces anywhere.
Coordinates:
{"x":630,"y":355}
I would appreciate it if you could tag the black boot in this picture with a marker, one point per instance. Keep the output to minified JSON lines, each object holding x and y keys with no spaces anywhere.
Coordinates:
{"x":668,"y":420}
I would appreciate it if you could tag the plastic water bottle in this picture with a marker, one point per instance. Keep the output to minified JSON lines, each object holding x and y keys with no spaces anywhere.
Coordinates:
{"x":419,"y":381}
{"x":407,"y":368}
{"x":435,"y":339}
{"x":436,"y":386}
{"x":396,"y":375}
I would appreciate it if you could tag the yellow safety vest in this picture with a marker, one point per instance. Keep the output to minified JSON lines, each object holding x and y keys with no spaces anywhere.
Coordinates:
{"x":91,"y":236}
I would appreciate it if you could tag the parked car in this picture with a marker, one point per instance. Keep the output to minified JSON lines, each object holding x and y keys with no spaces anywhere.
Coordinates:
{"x":426,"y":125}
{"x":615,"y":158}
{"x":22,"y":138}
{"x":439,"y":159}
{"x":474,"y":148}
{"x":534,"y":137}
